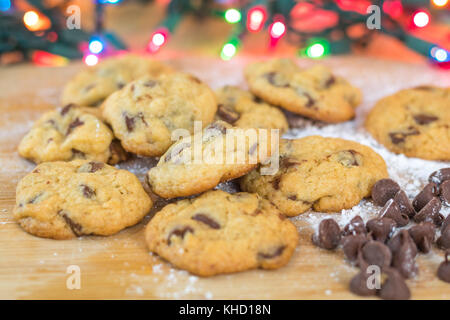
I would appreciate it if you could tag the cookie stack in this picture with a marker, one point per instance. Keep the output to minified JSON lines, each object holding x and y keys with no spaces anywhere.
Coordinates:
{"x":133,"y":105}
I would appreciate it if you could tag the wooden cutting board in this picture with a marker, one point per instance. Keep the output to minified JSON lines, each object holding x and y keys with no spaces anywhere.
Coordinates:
{"x":120,"y":266}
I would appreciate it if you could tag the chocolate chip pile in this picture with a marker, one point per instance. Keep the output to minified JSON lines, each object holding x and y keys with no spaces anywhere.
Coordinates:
{"x":384,"y":242}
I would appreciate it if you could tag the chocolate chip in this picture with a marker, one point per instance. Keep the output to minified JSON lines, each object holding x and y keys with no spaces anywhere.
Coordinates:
{"x":443,"y":271}
{"x":424,"y":87}
{"x":330,"y":81}
{"x":276,"y":80}
{"x":394,"y":288}
{"x":424,"y":119}
{"x":179,"y":232}
{"x":276,"y":182}
{"x":355,"y":226}
{"x":404,"y":251}
{"x":359,"y":284}
{"x":392,"y":210}
{"x":352,"y":244}
{"x":309,"y":100}
{"x":227,"y":114}
{"x":404,"y":204}
{"x":130,"y":122}
{"x":52,"y":122}
{"x":256,"y":212}
{"x":150,"y":83}
{"x":430,"y":212}
{"x":349,"y":158}
{"x":206,"y":220}
{"x":423,"y":235}
{"x":292,"y":197}
{"x":444,"y":240}
{"x":257,"y":99}
{"x":445,"y":192}
{"x":89,"y":87}
{"x":77,"y":154}
{"x":440,"y":176}
{"x":399,"y":137}
{"x":425,"y":196}
{"x":66,"y":109}
{"x":376,"y":253}
{"x":76,"y":228}
{"x":87,"y":191}
{"x":383,"y":190}
{"x":95,"y":166}
{"x":380,"y":228}
{"x":272,"y":255}
{"x":328,"y":236}
{"x":290,"y":162}
{"x":195,"y":79}
{"x":34,"y":199}
{"x":76,"y":123}
{"x":446,"y":223}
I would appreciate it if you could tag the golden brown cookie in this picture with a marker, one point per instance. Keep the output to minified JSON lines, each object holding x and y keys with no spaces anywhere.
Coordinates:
{"x":93,"y":84}
{"x":70,"y":133}
{"x":326,"y":174}
{"x":145,"y":112}
{"x":186,"y":169}
{"x":415,"y":122}
{"x":220,"y":232}
{"x":314,"y":92}
{"x":63,"y":200}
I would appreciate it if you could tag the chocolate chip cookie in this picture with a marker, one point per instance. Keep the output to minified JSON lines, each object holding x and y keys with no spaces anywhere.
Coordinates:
{"x":70,"y":133}
{"x":326,"y":174}
{"x":92,"y":85}
{"x":414,"y":122}
{"x":220,"y":232}
{"x":63,"y":200}
{"x":242,"y":109}
{"x":145,"y":112}
{"x":193,"y":165}
{"x":314,"y":92}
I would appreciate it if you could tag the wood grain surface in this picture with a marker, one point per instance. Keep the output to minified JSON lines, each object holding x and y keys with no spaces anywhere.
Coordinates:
{"x":120,"y":267}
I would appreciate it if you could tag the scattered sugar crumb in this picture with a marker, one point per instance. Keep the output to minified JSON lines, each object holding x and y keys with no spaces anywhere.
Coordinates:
{"x":328,"y":292}
{"x":157,"y":268}
{"x":193,"y":279}
{"x":208,"y":295}
{"x":134,"y":290}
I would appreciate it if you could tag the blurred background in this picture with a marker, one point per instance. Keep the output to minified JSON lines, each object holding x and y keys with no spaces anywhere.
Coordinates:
{"x":54,"y":32}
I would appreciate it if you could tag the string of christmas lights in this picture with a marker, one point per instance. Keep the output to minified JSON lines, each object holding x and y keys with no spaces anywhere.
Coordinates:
{"x":288,"y":18}
{"x":36,"y":31}
{"x":317,"y":27}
